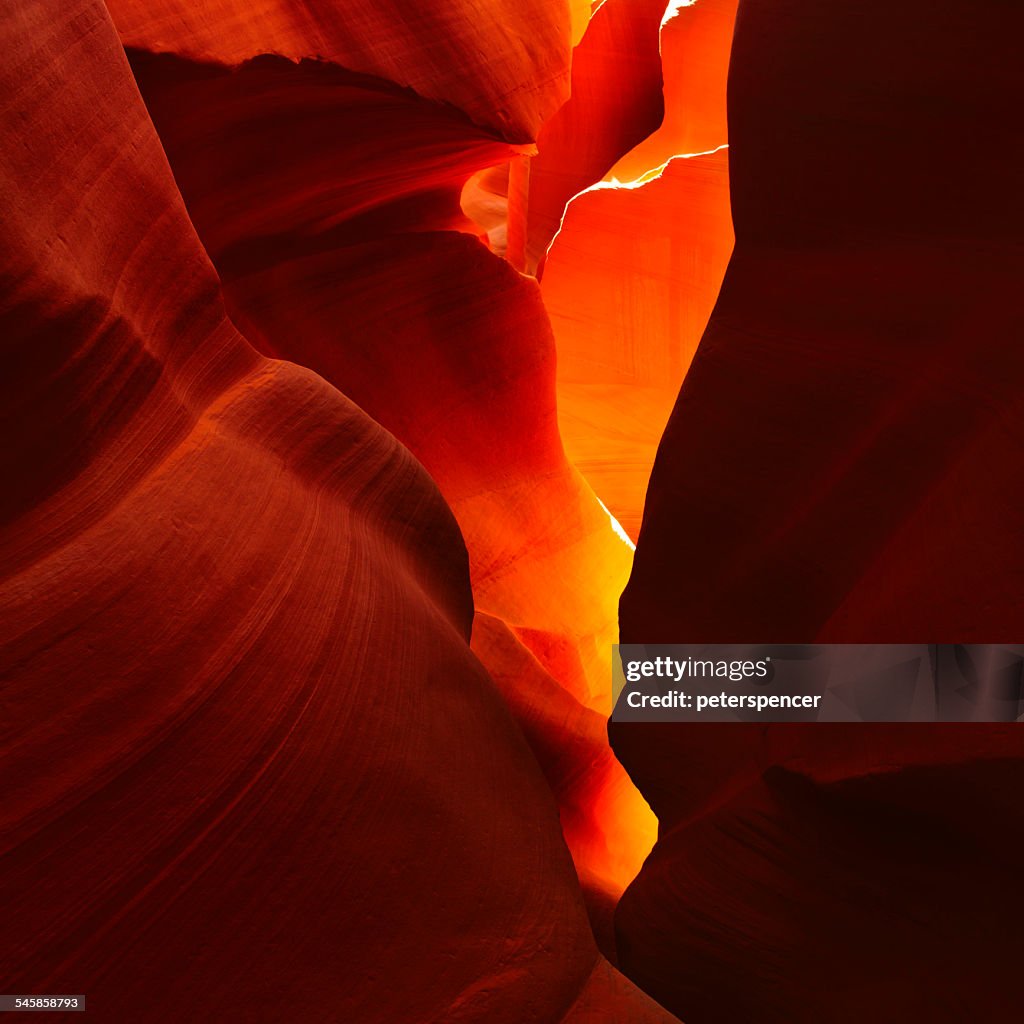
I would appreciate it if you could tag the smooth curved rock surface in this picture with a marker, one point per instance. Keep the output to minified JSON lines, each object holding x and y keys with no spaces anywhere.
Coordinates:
{"x":380,"y":319}
{"x":607,"y":825}
{"x":253,"y":770}
{"x":840,"y":462}
{"x":822,"y":872}
{"x":438,"y":339}
{"x":841,"y":465}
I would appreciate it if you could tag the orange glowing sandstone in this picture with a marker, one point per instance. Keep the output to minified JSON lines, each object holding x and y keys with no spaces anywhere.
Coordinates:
{"x":630,"y":282}
{"x":633,"y":274}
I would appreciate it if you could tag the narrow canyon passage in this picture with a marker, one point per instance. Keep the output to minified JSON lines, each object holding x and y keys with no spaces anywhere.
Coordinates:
{"x":348,"y":250}
{"x":371,"y":370}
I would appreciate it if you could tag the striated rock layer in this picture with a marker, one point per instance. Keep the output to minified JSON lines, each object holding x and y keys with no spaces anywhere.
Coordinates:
{"x":252,"y":770}
{"x":843,"y":463}
{"x":504,"y":63}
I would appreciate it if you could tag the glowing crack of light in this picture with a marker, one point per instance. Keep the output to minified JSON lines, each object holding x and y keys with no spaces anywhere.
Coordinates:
{"x":674,"y":7}
{"x":616,"y":526}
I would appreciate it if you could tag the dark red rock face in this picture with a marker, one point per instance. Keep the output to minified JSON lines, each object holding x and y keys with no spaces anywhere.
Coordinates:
{"x":843,"y":459}
{"x":833,"y":891}
{"x":844,"y":463}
